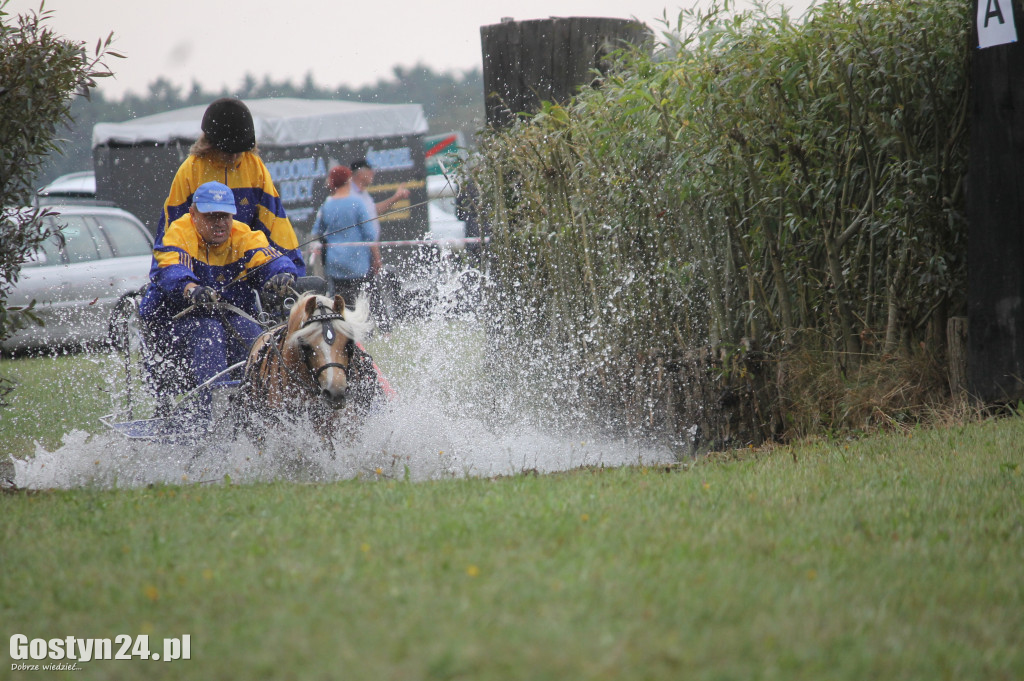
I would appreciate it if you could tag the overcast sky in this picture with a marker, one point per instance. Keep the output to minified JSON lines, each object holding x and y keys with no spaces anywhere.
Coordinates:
{"x":341,"y":42}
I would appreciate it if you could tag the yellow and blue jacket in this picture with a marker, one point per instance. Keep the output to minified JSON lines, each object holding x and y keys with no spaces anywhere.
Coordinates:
{"x":256,"y":200}
{"x":182,"y":257}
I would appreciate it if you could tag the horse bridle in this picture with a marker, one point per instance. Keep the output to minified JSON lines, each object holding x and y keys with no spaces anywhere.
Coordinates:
{"x":330,"y":336}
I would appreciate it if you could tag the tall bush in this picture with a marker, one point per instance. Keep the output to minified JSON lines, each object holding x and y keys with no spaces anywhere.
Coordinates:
{"x":756,"y":190}
{"x":39,"y":72}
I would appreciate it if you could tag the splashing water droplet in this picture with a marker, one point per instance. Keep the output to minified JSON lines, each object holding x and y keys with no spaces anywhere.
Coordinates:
{"x":458,"y":413}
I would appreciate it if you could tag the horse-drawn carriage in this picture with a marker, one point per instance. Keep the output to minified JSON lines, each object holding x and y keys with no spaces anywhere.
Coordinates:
{"x":309,"y":363}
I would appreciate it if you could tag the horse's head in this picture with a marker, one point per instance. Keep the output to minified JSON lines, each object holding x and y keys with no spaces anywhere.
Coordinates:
{"x":320,"y":342}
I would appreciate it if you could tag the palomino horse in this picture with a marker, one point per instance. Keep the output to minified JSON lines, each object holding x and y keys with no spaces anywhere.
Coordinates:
{"x":313,"y":366}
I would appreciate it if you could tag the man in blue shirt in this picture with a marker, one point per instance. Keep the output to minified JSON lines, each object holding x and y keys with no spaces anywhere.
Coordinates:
{"x":348,"y":237}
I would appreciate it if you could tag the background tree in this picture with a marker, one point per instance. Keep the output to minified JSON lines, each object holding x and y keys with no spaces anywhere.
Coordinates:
{"x":39,"y":73}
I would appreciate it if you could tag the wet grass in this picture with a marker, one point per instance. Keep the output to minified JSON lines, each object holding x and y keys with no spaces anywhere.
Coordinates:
{"x":53,"y":396}
{"x":892,"y":557}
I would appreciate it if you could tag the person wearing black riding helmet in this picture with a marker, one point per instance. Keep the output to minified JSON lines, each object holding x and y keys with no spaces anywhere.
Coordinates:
{"x":226,"y":152}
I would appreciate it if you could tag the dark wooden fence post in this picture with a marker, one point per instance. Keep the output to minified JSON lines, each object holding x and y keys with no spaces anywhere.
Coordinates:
{"x":995,"y":210}
{"x":526,"y":62}
{"x":956,"y":352}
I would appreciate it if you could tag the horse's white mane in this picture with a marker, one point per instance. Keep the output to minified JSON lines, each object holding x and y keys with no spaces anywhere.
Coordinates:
{"x":356,"y":324}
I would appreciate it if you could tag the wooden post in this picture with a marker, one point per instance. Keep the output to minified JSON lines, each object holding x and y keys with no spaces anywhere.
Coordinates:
{"x":527,"y":62}
{"x":995,"y":206}
{"x":956,"y":352}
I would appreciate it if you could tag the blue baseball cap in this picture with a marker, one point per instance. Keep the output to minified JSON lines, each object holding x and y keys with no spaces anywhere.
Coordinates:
{"x":214,"y":197}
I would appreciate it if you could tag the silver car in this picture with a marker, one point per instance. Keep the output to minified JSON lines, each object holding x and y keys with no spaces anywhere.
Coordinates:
{"x":106,"y":252}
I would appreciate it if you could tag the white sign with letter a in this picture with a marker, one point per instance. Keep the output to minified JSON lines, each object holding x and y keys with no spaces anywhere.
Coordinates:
{"x":995,"y":23}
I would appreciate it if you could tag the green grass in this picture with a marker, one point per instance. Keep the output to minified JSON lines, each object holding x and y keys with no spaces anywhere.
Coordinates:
{"x":895,"y":557}
{"x":53,"y":396}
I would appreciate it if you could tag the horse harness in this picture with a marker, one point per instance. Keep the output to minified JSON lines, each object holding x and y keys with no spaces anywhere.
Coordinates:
{"x":279,"y":334}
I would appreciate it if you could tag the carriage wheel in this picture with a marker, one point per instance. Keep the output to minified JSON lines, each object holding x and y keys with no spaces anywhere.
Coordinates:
{"x":125,"y":332}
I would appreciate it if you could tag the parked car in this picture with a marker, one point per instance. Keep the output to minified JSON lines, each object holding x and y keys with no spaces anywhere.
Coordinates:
{"x":106,"y":252}
{"x":76,"y":185}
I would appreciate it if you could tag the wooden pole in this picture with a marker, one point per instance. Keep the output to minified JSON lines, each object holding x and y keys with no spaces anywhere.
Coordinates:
{"x":527,"y":62}
{"x":995,"y":207}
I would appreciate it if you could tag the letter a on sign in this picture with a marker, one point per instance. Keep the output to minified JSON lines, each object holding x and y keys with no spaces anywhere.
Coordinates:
{"x":995,"y":23}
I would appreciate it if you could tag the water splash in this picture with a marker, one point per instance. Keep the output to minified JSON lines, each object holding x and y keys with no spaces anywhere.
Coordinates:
{"x":453,"y":417}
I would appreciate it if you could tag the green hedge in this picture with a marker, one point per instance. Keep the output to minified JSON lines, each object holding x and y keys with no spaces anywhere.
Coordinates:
{"x":756,"y":188}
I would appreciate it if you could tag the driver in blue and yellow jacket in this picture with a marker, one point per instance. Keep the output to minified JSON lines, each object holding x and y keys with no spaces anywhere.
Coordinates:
{"x":226,"y":152}
{"x":207,"y":257}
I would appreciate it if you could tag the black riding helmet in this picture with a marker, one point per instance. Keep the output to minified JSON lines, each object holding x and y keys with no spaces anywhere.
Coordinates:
{"x":228,"y":126}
